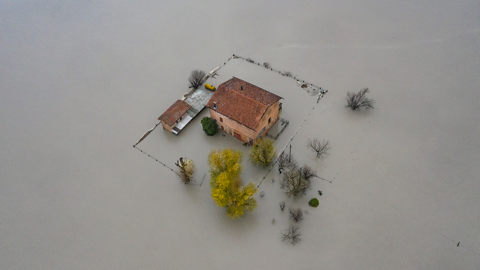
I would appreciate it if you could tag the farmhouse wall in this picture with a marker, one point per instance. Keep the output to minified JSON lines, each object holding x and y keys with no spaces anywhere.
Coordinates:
{"x":246,"y":134}
{"x":272,"y":113}
{"x":230,"y":126}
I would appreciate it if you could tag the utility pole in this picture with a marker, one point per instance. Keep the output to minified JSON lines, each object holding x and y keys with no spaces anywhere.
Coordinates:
{"x":290,"y":155}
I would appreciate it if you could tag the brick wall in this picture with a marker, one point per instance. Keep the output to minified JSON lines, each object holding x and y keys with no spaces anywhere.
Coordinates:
{"x":273,"y":114}
{"x":230,"y":126}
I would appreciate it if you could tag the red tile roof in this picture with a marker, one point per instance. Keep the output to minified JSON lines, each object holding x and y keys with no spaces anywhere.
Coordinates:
{"x":245,"y":106}
{"x":174,"y":112}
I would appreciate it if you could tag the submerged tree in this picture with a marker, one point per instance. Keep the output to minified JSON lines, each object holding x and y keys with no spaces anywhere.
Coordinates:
{"x":196,"y":78}
{"x":186,"y":169}
{"x":285,"y":161}
{"x":296,"y":214}
{"x":291,"y":235}
{"x":227,"y":190}
{"x":321,"y":148}
{"x":359,"y":100}
{"x":296,"y":183}
{"x":307,"y":172}
{"x":263,"y":152}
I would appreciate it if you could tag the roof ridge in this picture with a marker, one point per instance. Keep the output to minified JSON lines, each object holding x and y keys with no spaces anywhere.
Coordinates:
{"x":268,"y":92}
{"x":249,"y":98}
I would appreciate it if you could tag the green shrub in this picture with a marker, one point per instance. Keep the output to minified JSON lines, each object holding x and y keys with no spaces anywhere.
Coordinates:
{"x":209,"y":125}
{"x":314,"y":202}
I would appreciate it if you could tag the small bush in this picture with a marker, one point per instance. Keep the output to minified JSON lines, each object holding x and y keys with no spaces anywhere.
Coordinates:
{"x":266,"y":64}
{"x":320,"y":192}
{"x":249,"y":60}
{"x":314,"y":202}
{"x":209,"y":125}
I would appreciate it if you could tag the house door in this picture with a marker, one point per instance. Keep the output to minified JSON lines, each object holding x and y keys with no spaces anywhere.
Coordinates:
{"x":236,"y":135}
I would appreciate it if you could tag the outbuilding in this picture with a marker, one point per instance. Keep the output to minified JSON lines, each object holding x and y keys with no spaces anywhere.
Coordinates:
{"x":173,"y":115}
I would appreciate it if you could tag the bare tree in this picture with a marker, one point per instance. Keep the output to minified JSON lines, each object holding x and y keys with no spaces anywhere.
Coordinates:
{"x":308,"y":172}
{"x":186,"y":169}
{"x":296,"y":214}
{"x":266,"y":64}
{"x":282,"y":161}
{"x":282,"y":206}
{"x":196,"y":78}
{"x":294,"y":183}
{"x":286,"y":161}
{"x":319,"y":147}
{"x":291,"y":235}
{"x":359,"y":100}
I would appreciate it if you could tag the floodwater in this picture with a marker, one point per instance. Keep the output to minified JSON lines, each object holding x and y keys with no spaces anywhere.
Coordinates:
{"x":82,"y":81}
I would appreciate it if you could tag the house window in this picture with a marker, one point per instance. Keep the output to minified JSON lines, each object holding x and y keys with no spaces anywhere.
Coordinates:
{"x":269,"y":120}
{"x":222,"y":127}
{"x":221,"y":119}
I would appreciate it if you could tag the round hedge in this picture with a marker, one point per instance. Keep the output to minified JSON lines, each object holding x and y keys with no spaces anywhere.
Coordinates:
{"x":209,"y":125}
{"x":314,"y":202}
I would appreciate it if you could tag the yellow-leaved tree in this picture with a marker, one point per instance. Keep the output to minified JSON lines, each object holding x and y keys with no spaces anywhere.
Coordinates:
{"x":263,"y":152}
{"x":227,"y":190}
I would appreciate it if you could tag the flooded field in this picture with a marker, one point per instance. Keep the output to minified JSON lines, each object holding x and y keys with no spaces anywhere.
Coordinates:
{"x":81,"y":83}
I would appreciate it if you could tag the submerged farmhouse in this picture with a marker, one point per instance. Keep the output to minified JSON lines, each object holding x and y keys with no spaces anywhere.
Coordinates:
{"x":244,"y":110}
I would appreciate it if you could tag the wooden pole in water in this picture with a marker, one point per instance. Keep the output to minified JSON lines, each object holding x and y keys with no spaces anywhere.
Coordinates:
{"x":290,"y":155}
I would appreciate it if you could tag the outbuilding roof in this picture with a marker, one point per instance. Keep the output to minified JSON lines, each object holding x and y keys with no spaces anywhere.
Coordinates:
{"x":175,"y":111}
{"x":242,"y":101}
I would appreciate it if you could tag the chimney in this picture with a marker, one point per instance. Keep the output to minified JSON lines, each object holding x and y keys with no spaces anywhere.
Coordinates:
{"x":241,"y":87}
